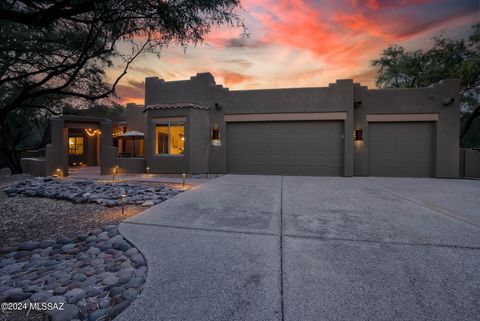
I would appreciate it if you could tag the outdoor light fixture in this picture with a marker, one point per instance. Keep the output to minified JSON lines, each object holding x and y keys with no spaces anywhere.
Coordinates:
{"x":93,"y":132}
{"x":215,"y":137}
{"x":183,"y":176}
{"x":115,"y":169}
{"x":147,"y":169}
{"x":123,"y":202}
{"x":448,"y":101}
{"x":58,"y":172}
{"x":358,"y":134}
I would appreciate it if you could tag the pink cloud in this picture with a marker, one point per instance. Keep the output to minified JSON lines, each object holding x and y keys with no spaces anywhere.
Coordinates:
{"x":231,"y":78}
{"x":379,"y":4}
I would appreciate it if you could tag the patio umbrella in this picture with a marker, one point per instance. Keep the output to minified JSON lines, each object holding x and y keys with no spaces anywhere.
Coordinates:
{"x":133,"y":135}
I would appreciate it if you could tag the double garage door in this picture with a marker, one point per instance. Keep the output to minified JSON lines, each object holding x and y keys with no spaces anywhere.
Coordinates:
{"x":285,"y":148}
{"x":316,"y":148}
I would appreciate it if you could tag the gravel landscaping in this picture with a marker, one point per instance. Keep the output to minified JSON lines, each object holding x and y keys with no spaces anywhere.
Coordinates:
{"x":25,"y":218}
{"x":59,"y":242}
{"x":96,"y":275}
{"x":89,"y":191}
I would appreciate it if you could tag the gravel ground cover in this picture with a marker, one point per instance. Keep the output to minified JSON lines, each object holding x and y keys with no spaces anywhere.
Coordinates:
{"x":92,"y":277}
{"x":26,"y":218}
{"x":58,"y":250}
{"x":88,"y":191}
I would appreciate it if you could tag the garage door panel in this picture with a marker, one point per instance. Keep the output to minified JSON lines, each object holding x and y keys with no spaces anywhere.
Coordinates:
{"x":400,"y":149}
{"x":289,"y":148}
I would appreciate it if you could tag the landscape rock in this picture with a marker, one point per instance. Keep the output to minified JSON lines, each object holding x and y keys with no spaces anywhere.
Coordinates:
{"x":89,"y":191}
{"x":68,"y":313}
{"x":97,"y":275}
{"x":29,"y":245}
{"x":75,"y":295}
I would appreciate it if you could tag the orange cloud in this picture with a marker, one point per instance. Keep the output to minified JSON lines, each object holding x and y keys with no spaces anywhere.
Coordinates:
{"x":133,"y":92}
{"x":232,"y":78}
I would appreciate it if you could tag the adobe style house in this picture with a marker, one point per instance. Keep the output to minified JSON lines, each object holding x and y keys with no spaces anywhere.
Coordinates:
{"x":345,"y":129}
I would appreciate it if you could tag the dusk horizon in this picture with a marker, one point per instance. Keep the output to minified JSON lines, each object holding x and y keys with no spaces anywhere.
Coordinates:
{"x":296,"y":43}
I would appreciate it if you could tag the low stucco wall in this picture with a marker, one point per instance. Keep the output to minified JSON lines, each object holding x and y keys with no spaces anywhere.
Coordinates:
{"x":470,"y":163}
{"x":33,"y":166}
{"x":131,"y":165}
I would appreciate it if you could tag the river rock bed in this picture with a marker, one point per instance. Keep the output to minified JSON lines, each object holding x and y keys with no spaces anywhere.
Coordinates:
{"x":97,"y":275}
{"x":88,"y":191}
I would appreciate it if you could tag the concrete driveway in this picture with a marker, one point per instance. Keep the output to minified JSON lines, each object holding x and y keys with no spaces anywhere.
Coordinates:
{"x":256,"y":248}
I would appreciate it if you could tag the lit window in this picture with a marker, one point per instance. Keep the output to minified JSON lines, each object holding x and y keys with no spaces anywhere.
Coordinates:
{"x":170,"y":138}
{"x":75,"y":145}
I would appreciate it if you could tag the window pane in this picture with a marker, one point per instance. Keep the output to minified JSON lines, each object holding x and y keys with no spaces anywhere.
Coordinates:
{"x":71,"y":145}
{"x":161,"y":145}
{"x":177,"y":139}
{"x":75,"y":145}
{"x":79,"y":143}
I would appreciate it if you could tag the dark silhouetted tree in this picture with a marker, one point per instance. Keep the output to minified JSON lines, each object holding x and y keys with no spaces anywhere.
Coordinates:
{"x":54,"y":53}
{"x":448,"y":58}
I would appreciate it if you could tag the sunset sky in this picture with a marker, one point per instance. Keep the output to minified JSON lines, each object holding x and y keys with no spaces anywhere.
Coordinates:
{"x":305,"y":43}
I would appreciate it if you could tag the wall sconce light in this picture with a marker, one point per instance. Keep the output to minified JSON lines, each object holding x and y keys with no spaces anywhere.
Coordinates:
{"x":358,"y":134}
{"x":215,"y":137}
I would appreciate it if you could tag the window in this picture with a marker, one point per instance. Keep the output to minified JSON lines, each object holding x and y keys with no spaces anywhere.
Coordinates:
{"x":75,"y":145}
{"x":170,"y":138}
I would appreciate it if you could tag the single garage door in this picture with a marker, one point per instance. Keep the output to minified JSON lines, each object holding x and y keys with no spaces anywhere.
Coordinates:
{"x":400,"y":149}
{"x":285,"y":148}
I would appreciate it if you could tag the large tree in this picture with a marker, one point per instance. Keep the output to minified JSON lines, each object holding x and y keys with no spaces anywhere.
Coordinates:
{"x":448,"y":58}
{"x":55,"y":53}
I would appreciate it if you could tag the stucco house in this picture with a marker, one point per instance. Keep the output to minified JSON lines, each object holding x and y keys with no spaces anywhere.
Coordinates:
{"x":198,"y":126}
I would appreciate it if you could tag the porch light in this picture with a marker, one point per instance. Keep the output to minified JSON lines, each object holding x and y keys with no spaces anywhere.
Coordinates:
{"x":358,"y":134}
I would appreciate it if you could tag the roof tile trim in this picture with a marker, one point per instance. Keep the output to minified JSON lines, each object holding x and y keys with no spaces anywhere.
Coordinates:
{"x":176,"y":105}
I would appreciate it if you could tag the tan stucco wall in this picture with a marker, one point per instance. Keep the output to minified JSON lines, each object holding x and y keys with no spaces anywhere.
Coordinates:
{"x":341,"y":96}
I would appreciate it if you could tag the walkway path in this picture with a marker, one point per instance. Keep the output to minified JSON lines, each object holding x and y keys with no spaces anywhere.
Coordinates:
{"x":93,"y":172}
{"x":256,"y":248}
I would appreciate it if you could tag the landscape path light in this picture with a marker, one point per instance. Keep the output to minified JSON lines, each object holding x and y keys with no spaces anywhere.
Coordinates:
{"x":115,"y":169}
{"x":123,"y":203}
{"x":147,"y":169}
{"x":183,"y":176}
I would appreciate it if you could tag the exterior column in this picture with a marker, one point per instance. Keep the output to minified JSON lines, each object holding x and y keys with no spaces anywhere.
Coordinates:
{"x":56,"y":153}
{"x":107,"y":150}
